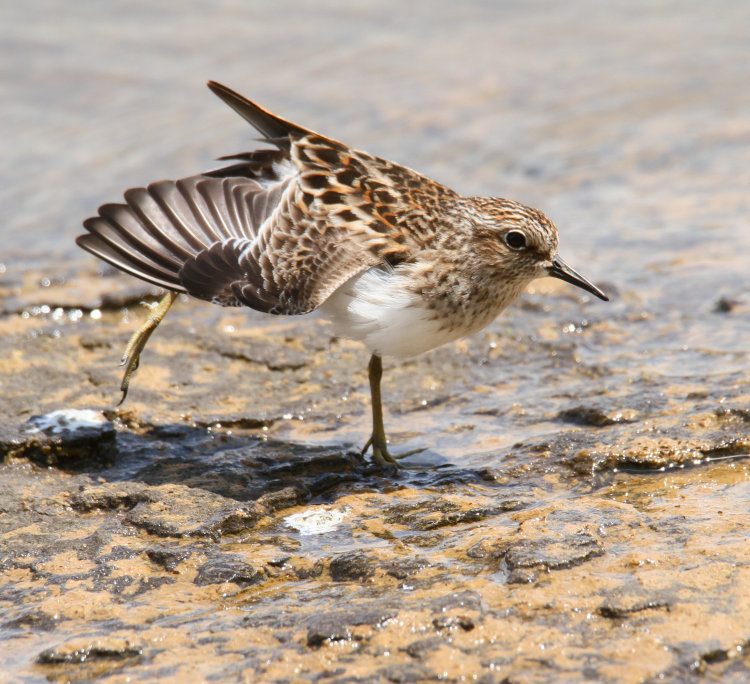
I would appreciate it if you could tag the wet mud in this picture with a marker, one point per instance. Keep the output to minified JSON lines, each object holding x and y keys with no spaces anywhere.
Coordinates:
{"x":582,"y":510}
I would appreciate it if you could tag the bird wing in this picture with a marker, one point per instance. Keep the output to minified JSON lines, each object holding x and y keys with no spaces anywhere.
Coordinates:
{"x":278,"y":230}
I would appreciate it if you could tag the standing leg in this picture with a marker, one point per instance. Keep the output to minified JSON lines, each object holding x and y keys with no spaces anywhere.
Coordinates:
{"x":377,"y":440}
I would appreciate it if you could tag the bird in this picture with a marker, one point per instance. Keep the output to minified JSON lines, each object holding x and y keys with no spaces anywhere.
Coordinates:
{"x":394,"y":259}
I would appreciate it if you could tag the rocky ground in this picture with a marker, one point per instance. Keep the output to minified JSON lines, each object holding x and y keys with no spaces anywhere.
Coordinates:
{"x":215,"y":526}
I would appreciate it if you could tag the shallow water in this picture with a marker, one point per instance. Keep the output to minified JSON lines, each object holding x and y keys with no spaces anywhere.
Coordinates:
{"x":590,"y":516}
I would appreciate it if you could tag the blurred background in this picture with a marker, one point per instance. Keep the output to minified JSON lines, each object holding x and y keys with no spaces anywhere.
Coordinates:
{"x":628,"y":123}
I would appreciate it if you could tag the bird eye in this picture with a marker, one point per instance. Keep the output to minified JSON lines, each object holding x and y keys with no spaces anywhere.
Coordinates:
{"x":515,"y":239}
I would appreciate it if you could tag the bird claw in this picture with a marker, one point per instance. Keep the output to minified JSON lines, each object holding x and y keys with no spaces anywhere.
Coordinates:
{"x":132,"y":354}
{"x":384,"y":457}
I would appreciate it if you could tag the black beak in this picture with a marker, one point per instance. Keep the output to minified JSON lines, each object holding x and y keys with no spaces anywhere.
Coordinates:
{"x":559,"y":269}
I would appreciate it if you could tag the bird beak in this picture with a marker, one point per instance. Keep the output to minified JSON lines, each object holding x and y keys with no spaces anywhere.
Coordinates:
{"x":559,"y":269}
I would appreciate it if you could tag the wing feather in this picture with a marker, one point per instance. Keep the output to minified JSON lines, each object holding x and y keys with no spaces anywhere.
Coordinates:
{"x":278,"y":230}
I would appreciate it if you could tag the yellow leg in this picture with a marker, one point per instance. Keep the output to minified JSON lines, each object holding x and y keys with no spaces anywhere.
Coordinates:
{"x":132,"y":354}
{"x":377,"y":440}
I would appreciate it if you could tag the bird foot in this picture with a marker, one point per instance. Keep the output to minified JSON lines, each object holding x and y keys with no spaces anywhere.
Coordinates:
{"x":132,"y":354}
{"x":384,"y":457}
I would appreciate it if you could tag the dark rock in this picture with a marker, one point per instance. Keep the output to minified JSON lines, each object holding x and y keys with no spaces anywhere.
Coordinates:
{"x":110,"y":497}
{"x":408,"y":673}
{"x":593,"y":416}
{"x":279,"y":562}
{"x":630,"y":600}
{"x":287,"y":497}
{"x":522,"y":576}
{"x":112,"y":585}
{"x":401,"y":569}
{"x":337,"y":626}
{"x":434,"y":514}
{"x":329,"y":481}
{"x":64,"y":436}
{"x":733,"y":414}
{"x":453,"y":621}
{"x":100,"y":651}
{"x":726,"y":305}
{"x":309,"y":571}
{"x":424,"y":541}
{"x":181,"y":511}
{"x":357,"y":566}
{"x":468,"y":600}
{"x":151,"y":583}
{"x":553,"y":553}
{"x":716,"y":655}
{"x":488,"y":549}
{"x":32,"y":619}
{"x":423,"y":647}
{"x":327,"y":629}
{"x":168,"y":559}
{"x":228,"y":569}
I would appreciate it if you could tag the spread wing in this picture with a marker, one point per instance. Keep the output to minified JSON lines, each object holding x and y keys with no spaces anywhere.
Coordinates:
{"x":276,"y":229}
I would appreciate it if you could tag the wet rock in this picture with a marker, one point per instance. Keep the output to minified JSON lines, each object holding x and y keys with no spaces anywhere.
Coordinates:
{"x":403,"y":568}
{"x":435,"y":514}
{"x":726,"y":304}
{"x":737,"y":414}
{"x":61,"y":437}
{"x":279,"y":562}
{"x":337,"y":626}
{"x":327,"y":629}
{"x":305,"y":569}
{"x":329,"y":481}
{"x":522,"y":576}
{"x":409,"y":673}
{"x":705,"y":662}
{"x":287,"y":497}
{"x":488,"y":549}
{"x":642,"y":452}
{"x":284,"y":460}
{"x":715,"y":655}
{"x":110,"y":497}
{"x":358,"y":567}
{"x":80,"y":652}
{"x":33,"y":620}
{"x":273,"y":357}
{"x":452,"y":621}
{"x":626,"y":603}
{"x":168,"y":559}
{"x":421,"y":648}
{"x":228,"y":569}
{"x":148,"y":584}
{"x":591,"y":415}
{"x":553,"y":553}
{"x":134,"y":295}
{"x":466,"y":600}
{"x":424,"y":541}
{"x":170,"y":512}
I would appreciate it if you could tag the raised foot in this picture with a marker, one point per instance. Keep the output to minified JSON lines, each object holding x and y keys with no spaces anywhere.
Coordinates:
{"x":132,"y":354}
{"x":381,"y":454}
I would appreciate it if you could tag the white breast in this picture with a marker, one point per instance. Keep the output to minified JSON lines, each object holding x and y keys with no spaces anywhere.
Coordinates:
{"x":377,"y":308}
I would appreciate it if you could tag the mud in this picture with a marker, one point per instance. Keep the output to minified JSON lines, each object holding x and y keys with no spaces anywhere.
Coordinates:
{"x":584,"y":513}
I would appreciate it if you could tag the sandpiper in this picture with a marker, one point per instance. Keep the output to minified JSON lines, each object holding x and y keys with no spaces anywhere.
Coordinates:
{"x":394,"y":259}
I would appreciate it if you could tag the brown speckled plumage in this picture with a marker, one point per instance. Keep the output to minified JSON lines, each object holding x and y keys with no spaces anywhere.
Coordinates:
{"x":396,"y":260}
